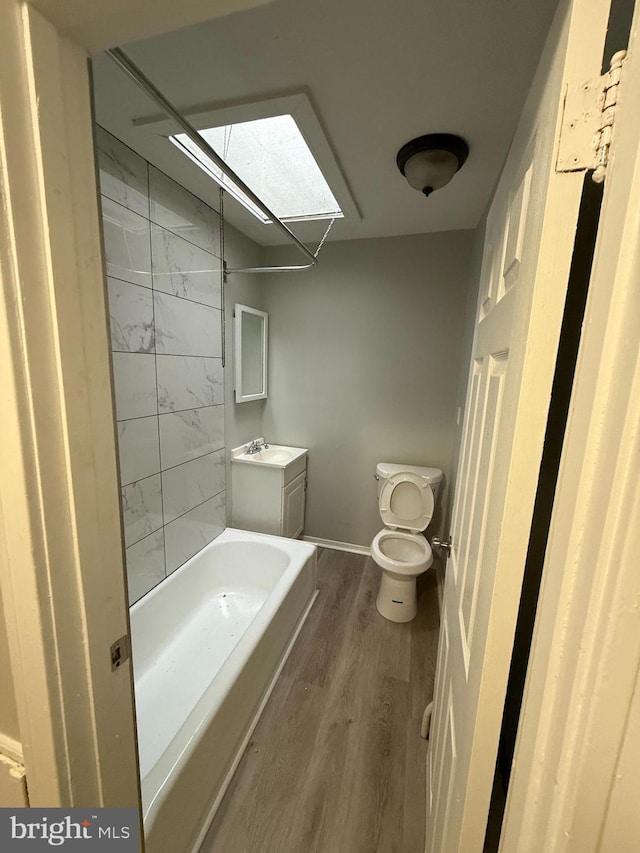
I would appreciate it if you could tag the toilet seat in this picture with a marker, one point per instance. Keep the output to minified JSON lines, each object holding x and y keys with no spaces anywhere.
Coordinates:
{"x":401,"y":553}
{"x":391,"y":504}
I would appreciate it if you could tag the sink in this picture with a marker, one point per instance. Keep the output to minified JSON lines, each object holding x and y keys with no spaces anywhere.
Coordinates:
{"x":276,"y":455}
{"x":269,"y":489}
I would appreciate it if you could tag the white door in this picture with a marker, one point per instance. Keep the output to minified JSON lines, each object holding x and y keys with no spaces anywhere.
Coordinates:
{"x":527,"y":254}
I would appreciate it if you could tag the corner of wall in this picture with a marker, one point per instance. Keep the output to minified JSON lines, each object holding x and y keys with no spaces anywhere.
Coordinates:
{"x":243,"y":421}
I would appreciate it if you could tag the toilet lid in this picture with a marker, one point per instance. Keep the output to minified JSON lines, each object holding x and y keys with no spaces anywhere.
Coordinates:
{"x":406,"y":502}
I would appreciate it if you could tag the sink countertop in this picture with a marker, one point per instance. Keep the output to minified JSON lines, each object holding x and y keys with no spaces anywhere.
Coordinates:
{"x":275,"y":456}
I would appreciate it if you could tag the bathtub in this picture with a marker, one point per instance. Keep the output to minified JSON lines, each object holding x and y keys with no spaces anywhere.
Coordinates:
{"x":208,"y":645}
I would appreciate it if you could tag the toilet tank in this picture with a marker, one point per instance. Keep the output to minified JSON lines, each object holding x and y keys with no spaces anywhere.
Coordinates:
{"x":433,"y":476}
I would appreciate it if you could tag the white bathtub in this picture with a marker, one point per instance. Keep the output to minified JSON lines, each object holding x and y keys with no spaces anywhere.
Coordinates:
{"x":208,"y":645}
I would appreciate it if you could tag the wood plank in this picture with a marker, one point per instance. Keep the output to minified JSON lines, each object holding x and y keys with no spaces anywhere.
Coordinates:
{"x":339,"y":575}
{"x":424,"y":644}
{"x":336,"y":764}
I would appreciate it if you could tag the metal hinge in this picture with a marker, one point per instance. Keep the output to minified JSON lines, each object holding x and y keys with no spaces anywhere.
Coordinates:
{"x":120,"y":651}
{"x":587,"y":122}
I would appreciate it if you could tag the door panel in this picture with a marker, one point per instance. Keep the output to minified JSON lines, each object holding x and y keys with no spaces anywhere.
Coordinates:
{"x":517,"y":217}
{"x":496,"y":370}
{"x":442,"y":721}
{"x":447,"y":774}
{"x":464,"y":488}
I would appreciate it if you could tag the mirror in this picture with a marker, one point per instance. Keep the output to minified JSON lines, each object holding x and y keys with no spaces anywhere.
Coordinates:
{"x":250,"y":329}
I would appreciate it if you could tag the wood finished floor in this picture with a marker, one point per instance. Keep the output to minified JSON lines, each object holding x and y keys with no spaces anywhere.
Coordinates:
{"x":336,"y":763}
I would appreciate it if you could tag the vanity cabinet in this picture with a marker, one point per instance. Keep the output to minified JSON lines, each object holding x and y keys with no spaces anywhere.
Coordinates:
{"x":269,"y":497}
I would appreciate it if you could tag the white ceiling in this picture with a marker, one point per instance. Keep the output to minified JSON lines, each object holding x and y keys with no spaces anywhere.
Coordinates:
{"x":378,"y":74}
{"x":97,"y":25}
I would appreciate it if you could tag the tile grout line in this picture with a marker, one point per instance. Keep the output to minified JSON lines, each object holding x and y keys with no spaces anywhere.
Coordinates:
{"x":195,"y":458}
{"x":163,"y":227}
{"x":152,"y":289}
{"x":180,"y":237}
{"x":202,"y":503}
{"x":163,"y":354}
{"x":173,"y":467}
{"x":175,"y":354}
{"x":177,"y":518}
{"x":155,"y":366}
{"x":146,"y":162}
{"x":183,"y":298}
{"x":172,"y":411}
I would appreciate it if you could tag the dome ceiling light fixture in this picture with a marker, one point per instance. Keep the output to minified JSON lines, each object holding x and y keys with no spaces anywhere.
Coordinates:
{"x":429,"y":162}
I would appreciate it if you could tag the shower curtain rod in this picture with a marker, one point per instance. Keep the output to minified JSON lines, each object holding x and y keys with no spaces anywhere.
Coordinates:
{"x":122,"y":61}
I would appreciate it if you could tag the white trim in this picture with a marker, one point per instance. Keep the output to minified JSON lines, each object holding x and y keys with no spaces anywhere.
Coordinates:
{"x":338,"y":546}
{"x":238,"y":312}
{"x":296,"y":104}
{"x":61,"y":554}
{"x":227,"y":779}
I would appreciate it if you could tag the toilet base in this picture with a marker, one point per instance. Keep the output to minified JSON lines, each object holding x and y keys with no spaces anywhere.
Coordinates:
{"x":397,"y":598}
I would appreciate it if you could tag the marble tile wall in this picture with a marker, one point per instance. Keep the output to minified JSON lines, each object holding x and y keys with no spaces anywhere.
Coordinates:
{"x":164,"y":276}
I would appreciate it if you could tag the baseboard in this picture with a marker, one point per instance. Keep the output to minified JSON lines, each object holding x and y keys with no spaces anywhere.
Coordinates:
{"x":245,"y":742}
{"x":338,"y":546}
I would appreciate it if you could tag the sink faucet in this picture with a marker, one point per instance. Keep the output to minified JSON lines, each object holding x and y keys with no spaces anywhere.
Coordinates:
{"x":257,"y":445}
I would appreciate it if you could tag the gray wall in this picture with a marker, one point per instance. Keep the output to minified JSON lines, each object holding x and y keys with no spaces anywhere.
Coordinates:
{"x":364,"y":363}
{"x":243,"y":422}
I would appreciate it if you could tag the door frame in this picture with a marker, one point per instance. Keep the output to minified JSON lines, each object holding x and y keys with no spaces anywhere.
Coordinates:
{"x":61,"y":557}
{"x":61,"y":553}
{"x":62,"y":568}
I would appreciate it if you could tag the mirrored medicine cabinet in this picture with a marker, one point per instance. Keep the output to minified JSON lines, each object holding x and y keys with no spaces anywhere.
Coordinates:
{"x":250,"y":349}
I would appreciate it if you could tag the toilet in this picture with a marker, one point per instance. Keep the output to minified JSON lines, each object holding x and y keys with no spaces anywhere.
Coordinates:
{"x":406,"y":498}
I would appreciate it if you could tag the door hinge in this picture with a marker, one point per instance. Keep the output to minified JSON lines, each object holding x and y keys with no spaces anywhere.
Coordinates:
{"x":587,"y":122}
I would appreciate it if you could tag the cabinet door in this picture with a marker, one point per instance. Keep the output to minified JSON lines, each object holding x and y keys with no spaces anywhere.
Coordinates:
{"x":293,"y":496}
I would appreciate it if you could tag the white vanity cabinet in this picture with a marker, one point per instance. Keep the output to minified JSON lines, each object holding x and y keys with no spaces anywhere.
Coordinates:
{"x":268,"y":490}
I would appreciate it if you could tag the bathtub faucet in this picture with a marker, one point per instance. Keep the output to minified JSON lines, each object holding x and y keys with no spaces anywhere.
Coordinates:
{"x":257,"y":445}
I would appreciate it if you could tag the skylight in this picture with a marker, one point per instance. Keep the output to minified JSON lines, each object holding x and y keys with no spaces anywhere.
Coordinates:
{"x":273,"y":159}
